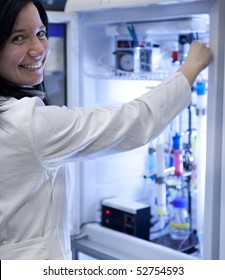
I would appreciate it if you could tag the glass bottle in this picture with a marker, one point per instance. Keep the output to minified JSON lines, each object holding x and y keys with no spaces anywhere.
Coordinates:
{"x":180,"y":221}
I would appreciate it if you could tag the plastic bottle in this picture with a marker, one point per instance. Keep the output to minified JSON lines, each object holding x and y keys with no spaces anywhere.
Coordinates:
{"x":180,"y":221}
{"x":156,"y":57}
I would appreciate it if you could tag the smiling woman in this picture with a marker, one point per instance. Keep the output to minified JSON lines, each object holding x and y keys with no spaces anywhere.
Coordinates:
{"x":24,"y":55}
{"x":24,"y":48}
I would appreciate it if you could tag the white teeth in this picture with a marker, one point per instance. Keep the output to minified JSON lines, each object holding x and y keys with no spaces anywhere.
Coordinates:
{"x":32,"y":66}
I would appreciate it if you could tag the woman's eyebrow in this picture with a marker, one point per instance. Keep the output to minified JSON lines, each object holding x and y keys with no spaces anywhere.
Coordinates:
{"x":17,"y":31}
{"x":22,"y":30}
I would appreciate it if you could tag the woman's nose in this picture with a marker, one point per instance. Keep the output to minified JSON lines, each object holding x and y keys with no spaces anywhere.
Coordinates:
{"x":36,"y":48}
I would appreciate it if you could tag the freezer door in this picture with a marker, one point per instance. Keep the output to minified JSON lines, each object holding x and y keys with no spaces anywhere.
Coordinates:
{"x":214,"y":226}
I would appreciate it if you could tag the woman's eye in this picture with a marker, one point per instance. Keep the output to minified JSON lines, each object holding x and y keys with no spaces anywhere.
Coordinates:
{"x":18,"y":39}
{"x":41,"y":34}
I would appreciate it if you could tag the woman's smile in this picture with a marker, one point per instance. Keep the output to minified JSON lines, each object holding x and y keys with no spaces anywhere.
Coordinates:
{"x":32,"y":66}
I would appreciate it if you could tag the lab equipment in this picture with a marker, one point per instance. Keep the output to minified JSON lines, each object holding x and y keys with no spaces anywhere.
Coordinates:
{"x":180,"y":222}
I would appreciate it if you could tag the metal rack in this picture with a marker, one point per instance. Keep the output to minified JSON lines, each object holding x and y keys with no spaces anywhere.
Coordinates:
{"x":104,"y":74}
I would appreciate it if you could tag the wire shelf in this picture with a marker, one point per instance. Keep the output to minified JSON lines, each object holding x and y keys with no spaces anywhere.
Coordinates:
{"x":104,"y":74}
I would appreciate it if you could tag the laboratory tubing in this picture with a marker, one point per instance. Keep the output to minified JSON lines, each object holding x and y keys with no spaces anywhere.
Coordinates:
{"x":161,"y":186}
{"x":201,"y":106}
{"x":151,"y":162}
{"x":160,"y":159}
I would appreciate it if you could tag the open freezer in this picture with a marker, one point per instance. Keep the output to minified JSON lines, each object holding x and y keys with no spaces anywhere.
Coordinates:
{"x":122,"y":50}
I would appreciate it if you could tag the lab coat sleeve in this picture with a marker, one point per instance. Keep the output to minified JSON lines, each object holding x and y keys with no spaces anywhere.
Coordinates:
{"x":61,"y":135}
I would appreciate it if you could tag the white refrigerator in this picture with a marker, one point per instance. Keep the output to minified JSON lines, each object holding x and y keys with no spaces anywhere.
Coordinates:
{"x":101,"y":69}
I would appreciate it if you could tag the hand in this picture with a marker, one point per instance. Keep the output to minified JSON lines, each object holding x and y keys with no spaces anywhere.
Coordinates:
{"x":199,"y":57}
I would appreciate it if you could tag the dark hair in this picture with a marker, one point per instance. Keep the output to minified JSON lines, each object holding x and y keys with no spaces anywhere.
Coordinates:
{"x":9,"y":10}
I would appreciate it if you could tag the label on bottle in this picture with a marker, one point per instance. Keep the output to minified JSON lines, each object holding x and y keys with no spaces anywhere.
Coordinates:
{"x":180,"y":226}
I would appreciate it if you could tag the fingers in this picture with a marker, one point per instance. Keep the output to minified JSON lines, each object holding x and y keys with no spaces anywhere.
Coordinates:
{"x":199,"y":54}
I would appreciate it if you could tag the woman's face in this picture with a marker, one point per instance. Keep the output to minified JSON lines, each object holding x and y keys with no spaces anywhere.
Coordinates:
{"x":23,"y":58}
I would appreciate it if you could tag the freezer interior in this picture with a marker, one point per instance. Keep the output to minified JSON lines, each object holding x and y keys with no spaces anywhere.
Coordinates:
{"x":124,"y":53}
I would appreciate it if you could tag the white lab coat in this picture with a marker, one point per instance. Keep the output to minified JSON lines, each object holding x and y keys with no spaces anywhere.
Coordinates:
{"x":37,"y":141}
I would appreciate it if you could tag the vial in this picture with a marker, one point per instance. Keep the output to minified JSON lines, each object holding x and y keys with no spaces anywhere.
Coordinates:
{"x":177,"y":155}
{"x":180,"y":221}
